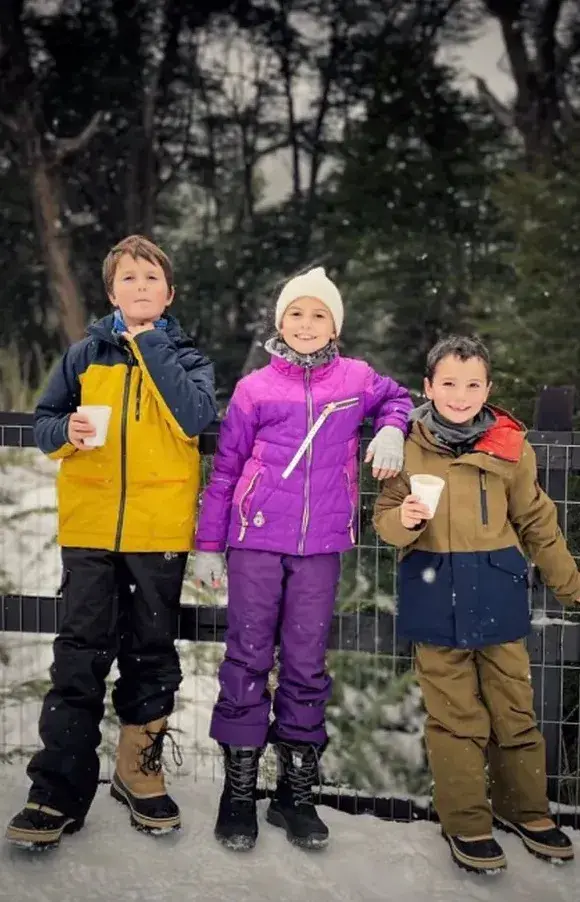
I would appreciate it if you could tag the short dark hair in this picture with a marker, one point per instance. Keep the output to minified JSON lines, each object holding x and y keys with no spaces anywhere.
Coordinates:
{"x":457,"y":346}
{"x":136,"y":246}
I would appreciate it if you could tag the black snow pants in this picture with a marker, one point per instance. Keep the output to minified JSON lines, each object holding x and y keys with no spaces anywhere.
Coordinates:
{"x":116,"y":605}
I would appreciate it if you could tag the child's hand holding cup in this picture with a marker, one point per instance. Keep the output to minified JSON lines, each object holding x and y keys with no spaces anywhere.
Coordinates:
{"x":87,"y":428}
{"x":422,"y":503}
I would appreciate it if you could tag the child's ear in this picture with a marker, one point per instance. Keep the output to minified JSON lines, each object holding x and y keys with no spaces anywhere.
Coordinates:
{"x":170,"y":297}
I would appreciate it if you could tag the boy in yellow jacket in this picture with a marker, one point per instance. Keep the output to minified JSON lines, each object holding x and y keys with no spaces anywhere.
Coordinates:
{"x":126,"y":524}
{"x":463,"y":600}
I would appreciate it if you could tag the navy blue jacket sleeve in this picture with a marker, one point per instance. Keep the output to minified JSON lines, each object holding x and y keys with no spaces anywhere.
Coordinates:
{"x":181,"y":378}
{"x":60,"y":398}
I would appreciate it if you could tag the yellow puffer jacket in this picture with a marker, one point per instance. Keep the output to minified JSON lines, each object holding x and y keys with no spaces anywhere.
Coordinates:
{"x":138,"y":492}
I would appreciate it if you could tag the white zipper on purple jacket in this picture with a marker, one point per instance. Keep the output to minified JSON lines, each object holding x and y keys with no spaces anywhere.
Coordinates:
{"x":330,"y":408}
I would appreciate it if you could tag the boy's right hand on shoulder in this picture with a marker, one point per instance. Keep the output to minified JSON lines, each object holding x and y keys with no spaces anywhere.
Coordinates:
{"x":414,"y":512}
{"x":208,"y":569}
{"x":79,"y":429}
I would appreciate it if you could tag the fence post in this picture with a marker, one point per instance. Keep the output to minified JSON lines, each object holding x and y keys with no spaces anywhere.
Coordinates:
{"x":553,"y":414}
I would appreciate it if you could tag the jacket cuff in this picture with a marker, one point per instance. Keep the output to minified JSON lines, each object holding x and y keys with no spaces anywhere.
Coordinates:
{"x":389,"y":527}
{"x":570,"y":599}
{"x":64,"y":429}
{"x":216,"y":547}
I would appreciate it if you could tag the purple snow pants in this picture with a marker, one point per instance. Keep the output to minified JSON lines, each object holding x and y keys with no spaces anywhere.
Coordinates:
{"x":275,"y":596}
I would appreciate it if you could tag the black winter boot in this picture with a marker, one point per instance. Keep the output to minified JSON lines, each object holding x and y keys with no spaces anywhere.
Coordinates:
{"x":39,"y":827}
{"x":237,"y":823}
{"x":478,"y":855}
{"x":292,"y":807}
{"x":542,"y":838}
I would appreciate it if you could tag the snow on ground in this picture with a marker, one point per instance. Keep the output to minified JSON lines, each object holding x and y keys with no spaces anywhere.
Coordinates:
{"x":367,"y":860}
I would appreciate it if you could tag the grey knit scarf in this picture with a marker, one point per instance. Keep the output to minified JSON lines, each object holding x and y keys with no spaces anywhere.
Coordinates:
{"x":278,"y":348}
{"x":457,"y":437}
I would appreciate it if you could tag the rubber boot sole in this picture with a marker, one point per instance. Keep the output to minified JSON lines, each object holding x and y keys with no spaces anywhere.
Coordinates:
{"x":152,"y":825}
{"x":236,"y":843}
{"x":475,"y":865}
{"x":41,"y":841}
{"x":316,"y":842}
{"x":538,"y":850}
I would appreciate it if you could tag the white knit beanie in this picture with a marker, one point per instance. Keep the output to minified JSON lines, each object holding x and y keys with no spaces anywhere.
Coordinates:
{"x":312,"y":284}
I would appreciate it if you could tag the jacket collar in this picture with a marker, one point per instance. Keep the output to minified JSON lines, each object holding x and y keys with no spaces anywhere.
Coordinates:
{"x":503,"y":441}
{"x":286,"y":368}
{"x":103,"y":329}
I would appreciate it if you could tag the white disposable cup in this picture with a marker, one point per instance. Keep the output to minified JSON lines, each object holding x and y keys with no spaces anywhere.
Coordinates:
{"x":99,"y":416}
{"x":428,"y":489}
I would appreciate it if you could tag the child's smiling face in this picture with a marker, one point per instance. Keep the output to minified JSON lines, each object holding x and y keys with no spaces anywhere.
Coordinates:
{"x":459,"y":388}
{"x":307,"y":325}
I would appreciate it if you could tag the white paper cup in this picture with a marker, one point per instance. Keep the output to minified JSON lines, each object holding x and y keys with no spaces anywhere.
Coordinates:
{"x":428,"y":489}
{"x":99,"y":416}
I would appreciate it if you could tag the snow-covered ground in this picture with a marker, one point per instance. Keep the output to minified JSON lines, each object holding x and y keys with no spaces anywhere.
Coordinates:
{"x":367,"y":860}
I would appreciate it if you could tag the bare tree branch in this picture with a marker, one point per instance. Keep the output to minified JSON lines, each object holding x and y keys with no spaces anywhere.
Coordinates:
{"x":64,"y":147}
{"x":502,"y":113}
{"x":10,"y":122}
{"x":538,"y":63}
{"x":284,"y":53}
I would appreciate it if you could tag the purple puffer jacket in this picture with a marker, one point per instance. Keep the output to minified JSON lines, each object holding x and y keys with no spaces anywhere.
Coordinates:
{"x":259,"y":495}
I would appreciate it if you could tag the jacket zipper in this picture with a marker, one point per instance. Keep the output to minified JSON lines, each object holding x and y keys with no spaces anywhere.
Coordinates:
{"x":124,"y":412}
{"x":483,"y":497}
{"x":243,"y":518}
{"x":314,"y":428}
{"x":311,"y":433}
{"x":352,"y":508}
{"x":138,"y":396}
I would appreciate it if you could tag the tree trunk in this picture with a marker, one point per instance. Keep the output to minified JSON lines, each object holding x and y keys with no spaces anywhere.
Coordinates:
{"x":21,"y":113}
{"x":63,"y":284}
{"x":542,"y":113}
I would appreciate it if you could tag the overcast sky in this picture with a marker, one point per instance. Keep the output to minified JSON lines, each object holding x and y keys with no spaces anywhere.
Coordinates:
{"x":483,"y":57}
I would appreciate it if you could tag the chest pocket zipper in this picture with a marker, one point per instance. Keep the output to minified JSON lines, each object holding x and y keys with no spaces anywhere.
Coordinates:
{"x":331,"y":408}
{"x":483,"y":497}
{"x":138,"y":396}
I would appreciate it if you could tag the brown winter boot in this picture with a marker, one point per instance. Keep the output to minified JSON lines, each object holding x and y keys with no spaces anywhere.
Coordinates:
{"x":138,"y":781}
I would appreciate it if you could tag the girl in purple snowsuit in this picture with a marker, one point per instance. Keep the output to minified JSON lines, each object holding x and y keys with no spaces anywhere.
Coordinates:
{"x":282,"y":500}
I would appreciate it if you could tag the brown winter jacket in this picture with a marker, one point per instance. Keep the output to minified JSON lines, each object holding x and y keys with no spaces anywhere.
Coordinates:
{"x":463,"y":578}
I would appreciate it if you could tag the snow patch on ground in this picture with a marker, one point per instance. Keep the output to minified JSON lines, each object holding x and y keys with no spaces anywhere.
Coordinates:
{"x":367,"y":860}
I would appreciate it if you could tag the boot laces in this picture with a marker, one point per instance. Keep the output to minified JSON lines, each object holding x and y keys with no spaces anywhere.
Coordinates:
{"x":242,"y":774}
{"x":152,"y":755}
{"x":301,"y":771}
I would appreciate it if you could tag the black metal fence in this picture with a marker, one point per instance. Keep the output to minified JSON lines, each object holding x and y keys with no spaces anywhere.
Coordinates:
{"x":370,"y":663}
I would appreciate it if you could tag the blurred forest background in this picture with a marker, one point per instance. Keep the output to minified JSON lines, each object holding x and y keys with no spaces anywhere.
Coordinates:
{"x":253,"y":138}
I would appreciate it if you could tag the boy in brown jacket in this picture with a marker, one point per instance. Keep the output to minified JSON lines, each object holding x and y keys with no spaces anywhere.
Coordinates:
{"x":463,"y":600}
